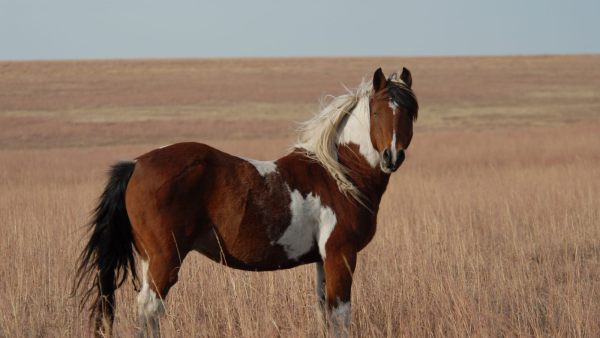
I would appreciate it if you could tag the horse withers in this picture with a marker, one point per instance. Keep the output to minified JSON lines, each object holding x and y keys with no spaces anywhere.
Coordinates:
{"x":318,"y":204}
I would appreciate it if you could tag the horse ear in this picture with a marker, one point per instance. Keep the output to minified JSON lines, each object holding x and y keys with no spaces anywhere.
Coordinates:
{"x":406,"y":77}
{"x":379,"y":81}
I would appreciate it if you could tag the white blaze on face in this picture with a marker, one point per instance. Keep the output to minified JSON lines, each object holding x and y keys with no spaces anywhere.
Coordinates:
{"x":394,"y":107}
{"x":393,"y":149}
{"x":263,"y":167}
{"x":311,"y":223}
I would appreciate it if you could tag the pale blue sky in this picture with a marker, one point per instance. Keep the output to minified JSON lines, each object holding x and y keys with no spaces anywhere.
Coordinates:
{"x":76,"y":29}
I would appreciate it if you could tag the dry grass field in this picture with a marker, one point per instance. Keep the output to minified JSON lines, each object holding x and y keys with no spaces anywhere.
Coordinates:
{"x":490,"y":228}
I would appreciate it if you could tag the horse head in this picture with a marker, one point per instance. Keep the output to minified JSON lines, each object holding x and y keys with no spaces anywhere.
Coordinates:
{"x":393,"y":109}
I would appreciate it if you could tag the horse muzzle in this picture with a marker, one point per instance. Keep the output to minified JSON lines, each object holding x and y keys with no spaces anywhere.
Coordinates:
{"x":390,"y":162}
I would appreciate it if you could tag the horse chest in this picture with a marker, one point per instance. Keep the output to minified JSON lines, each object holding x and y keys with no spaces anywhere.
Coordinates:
{"x":311,"y":223}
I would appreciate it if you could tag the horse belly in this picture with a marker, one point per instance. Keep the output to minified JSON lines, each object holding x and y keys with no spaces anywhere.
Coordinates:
{"x":249,"y":225}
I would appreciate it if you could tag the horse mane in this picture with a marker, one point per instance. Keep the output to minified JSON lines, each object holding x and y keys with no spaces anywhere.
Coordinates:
{"x":318,"y":136}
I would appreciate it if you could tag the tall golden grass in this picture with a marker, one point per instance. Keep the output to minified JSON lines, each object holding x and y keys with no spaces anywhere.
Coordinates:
{"x":481,"y":233}
{"x":490,"y":228}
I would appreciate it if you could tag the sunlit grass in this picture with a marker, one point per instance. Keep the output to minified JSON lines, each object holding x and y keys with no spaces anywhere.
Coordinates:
{"x":480,"y":233}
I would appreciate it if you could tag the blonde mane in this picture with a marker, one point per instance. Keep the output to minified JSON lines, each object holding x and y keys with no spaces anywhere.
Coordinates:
{"x":319,"y":135}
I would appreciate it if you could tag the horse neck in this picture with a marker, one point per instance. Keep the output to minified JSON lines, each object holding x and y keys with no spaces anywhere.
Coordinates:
{"x":357,"y":154}
{"x":355,"y":129}
{"x":371,"y":182}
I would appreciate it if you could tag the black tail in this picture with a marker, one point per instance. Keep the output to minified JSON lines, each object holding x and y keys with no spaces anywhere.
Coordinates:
{"x":108,"y":256}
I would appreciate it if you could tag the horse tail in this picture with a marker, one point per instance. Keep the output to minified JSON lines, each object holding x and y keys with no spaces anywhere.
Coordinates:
{"x":108,"y":256}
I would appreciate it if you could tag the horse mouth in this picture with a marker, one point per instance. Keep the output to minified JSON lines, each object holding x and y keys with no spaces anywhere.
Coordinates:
{"x":391,"y":160}
{"x":388,"y":169}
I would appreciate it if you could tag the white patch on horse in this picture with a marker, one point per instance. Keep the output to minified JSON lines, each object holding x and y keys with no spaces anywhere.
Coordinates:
{"x":165,"y":146}
{"x":394,"y":106}
{"x":263,"y":167}
{"x":327,"y":223}
{"x":341,"y":316}
{"x":393,"y":148}
{"x":150,"y":307}
{"x":311,"y":223}
{"x":356,"y":129}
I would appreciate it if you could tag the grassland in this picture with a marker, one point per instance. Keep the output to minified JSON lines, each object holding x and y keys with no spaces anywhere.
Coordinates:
{"x":490,"y":228}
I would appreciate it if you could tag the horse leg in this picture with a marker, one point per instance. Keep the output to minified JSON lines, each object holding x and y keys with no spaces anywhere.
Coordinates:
{"x":339,"y":267}
{"x":320,"y":286}
{"x":159,"y":275}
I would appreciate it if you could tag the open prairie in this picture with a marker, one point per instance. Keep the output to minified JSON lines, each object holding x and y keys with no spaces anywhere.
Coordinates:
{"x":490,"y":228}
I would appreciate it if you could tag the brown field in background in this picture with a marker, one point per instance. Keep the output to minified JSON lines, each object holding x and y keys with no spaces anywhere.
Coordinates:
{"x":490,"y":228}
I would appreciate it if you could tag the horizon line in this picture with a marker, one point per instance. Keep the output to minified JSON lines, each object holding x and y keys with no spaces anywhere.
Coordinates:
{"x":293,"y":57}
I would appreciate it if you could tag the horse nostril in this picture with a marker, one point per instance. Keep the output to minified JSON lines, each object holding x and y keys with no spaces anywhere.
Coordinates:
{"x":401,"y":156}
{"x":387,"y":155}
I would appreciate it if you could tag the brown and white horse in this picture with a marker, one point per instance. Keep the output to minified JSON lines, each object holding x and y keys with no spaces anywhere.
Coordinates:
{"x":318,"y":204}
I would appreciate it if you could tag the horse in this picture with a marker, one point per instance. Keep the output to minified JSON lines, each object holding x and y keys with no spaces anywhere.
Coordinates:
{"x":318,"y":204}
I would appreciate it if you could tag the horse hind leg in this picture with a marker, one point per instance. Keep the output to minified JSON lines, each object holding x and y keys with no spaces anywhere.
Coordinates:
{"x":321,"y":310}
{"x":159,"y":275}
{"x":320,"y":286}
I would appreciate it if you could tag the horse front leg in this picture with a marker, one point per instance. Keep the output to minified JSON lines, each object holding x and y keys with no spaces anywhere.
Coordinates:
{"x":339,"y":268}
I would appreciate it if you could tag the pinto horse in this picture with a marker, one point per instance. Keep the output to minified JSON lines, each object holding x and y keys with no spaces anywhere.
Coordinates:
{"x":318,"y":204}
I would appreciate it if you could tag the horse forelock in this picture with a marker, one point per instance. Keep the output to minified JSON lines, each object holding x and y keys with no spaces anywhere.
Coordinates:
{"x":402,"y":95}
